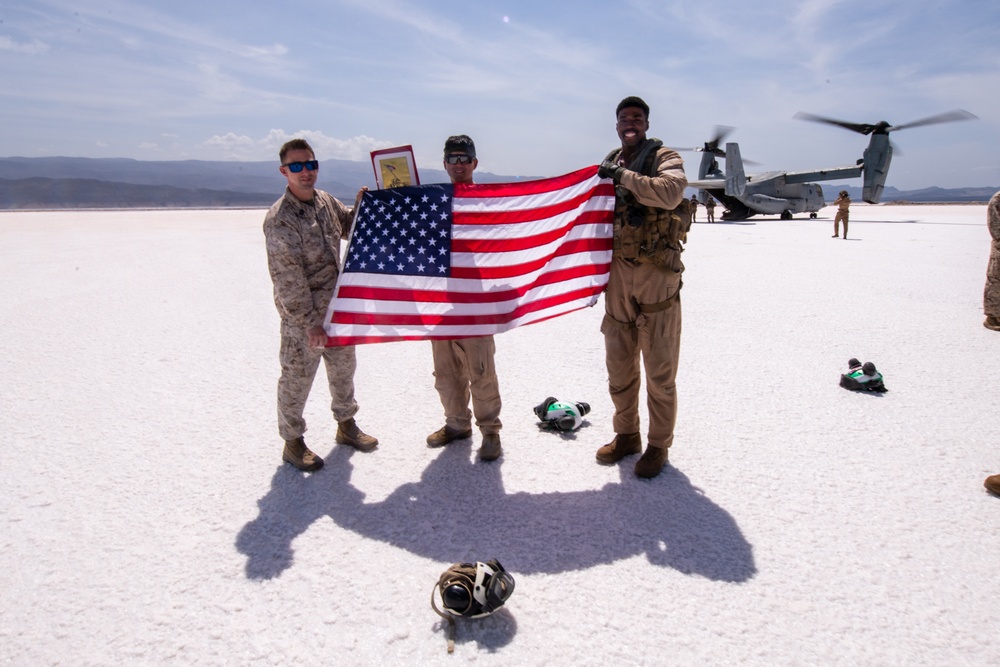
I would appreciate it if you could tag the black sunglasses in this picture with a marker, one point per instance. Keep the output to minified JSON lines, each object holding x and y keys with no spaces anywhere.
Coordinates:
{"x":459,"y":159}
{"x":296,"y":167}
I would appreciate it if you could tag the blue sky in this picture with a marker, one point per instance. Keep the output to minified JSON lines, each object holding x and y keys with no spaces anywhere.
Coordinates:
{"x":534,"y":83}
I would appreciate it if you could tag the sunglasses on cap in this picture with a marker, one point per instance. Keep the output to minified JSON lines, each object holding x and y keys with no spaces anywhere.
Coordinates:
{"x":459,"y":159}
{"x":296,"y":167}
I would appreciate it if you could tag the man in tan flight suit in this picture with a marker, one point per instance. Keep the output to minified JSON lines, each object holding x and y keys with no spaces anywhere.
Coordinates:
{"x":465,"y":367}
{"x":642,"y":301}
{"x":302,"y":231}
{"x":843,"y":203}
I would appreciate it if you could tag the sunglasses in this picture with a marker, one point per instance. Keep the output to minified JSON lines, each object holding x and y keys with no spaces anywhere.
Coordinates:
{"x":296,"y":167}
{"x":459,"y":159}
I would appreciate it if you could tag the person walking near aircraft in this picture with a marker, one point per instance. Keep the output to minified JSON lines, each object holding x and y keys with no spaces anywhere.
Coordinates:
{"x":710,"y":208}
{"x":642,"y":303}
{"x":302,"y":232}
{"x":843,"y":203}
{"x":465,"y":367}
{"x":694,"y":207}
{"x":991,"y":295}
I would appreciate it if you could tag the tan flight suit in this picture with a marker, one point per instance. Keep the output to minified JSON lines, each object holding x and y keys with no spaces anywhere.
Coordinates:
{"x":842,"y":203}
{"x":643,"y":308}
{"x":303,"y":257}
{"x":991,"y":295}
{"x":465,"y":368}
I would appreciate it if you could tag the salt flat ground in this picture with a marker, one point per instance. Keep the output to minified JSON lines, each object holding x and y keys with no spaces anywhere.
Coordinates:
{"x":147,"y":518}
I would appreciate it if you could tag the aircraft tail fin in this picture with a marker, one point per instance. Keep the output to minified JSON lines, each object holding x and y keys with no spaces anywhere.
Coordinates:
{"x":736,"y":178}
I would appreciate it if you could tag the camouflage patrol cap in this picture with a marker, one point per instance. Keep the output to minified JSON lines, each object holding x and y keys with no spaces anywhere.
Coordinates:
{"x":460,"y":143}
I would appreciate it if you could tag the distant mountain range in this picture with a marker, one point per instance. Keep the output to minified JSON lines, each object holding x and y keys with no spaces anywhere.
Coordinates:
{"x":72,"y":183}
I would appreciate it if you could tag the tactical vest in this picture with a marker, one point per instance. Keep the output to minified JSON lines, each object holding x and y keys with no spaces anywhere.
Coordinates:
{"x":647,"y":234}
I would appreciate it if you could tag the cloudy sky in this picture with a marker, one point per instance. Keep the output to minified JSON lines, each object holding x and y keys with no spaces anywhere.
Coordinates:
{"x":534,"y":83}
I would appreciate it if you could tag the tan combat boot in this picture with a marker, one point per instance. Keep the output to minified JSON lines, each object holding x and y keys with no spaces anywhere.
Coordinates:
{"x":490,"y":449}
{"x":301,"y":456}
{"x":651,"y":463}
{"x":348,"y":433}
{"x":992,"y":323}
{"x":624,"y":444}
{"x":445,"y":434}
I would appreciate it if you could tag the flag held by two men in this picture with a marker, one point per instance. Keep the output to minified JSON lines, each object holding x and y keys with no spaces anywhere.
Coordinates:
{"x":455,"y":261}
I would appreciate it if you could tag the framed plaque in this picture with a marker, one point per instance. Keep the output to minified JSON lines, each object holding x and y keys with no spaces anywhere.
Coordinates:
{"x":394,"y":167}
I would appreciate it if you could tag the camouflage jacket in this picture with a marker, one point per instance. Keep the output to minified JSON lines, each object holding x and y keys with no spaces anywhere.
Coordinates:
{"x":303,"y":255}
{"x":993,"y":217}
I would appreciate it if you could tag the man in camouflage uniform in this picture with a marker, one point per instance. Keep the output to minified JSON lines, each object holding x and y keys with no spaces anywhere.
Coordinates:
{"x":642,"y":302}
{"x":465,"y":367}
{"x":991,"y":295}
{"x":843,"y":204}
{"x":303,"y":230}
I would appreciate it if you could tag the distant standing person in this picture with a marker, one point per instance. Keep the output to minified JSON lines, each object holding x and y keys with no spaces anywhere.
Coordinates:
{"x":465,"y":367}
{"x":642,"y":320}
{"x":710,"y":208}
{"x":843,"y":203}
{"x":302,"y":231}
{"x":694,"y":207}
{"x":991,"y":295}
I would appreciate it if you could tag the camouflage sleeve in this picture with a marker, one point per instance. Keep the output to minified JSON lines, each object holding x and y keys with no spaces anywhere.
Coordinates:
{"x":348,"y":220}
{"x":342,"y":216}
{"x":993,"y":217}
{"x":666,"y":189}
{"x":292,"y":295}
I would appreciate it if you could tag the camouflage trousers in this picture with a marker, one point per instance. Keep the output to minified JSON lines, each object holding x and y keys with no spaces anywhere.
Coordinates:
{"x":299,"y":363}
{"x":991,"y":295}
{"x":643,"y":321}
{"x":465,"y":368}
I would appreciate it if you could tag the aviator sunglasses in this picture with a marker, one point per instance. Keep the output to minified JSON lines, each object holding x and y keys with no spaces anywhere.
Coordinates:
{"x":459,"y":159}
{"x":296,"y":167}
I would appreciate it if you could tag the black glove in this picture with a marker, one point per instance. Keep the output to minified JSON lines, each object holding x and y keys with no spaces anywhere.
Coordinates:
{"x":609,"y":169}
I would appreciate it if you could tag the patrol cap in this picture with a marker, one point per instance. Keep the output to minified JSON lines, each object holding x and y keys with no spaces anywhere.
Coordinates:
{"x":460,"y":143}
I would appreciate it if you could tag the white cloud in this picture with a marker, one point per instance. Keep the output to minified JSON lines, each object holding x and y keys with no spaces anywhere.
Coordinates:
{"x":31,"y":48}
{"x":241,"y":147}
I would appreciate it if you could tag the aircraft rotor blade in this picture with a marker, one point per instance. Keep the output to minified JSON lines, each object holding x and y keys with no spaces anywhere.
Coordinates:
{"x":721,"y":132}
{"x":860,"y":128}
{"x":946,"y":117}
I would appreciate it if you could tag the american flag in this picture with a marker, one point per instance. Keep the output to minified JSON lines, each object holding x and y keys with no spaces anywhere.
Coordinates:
{"x":455,"y":261}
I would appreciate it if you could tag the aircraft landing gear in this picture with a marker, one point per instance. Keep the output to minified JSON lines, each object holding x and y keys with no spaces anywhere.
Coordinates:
{"x":786,"y":215}
{"x":812,"y":216}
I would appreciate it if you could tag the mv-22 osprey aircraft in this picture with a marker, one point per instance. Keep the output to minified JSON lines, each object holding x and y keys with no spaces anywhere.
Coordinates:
{"x":789,"y":192}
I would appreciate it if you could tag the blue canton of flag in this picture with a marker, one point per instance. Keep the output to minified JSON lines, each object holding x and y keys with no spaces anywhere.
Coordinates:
{"x":403,"y":231}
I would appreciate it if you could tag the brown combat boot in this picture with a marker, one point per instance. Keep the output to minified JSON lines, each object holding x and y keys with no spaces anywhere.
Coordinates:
{"x":992,"y":484}
{"x":992,"y":322}
{"x":651,"y":463}
{"x":444,"y":435}
{"x":624,"y":444}
{"x":301,"y":456}
{"x":348,"y":433}
{"x":490,"y":449}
